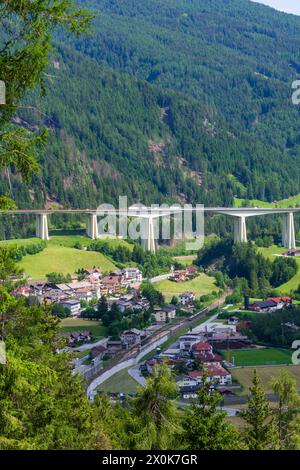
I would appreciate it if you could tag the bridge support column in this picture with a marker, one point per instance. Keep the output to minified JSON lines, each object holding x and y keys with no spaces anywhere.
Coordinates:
{"x":92,"y":226}
{"x":42,"y":226}
{"x":240,"y":229}
{"x":288,"y":231}
{"x":148,"y":235}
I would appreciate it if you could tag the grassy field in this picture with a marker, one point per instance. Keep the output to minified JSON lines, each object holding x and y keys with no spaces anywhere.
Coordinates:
{"x":64,"y":260}
{"x":121,"y":382}
{"x":61,"y":256}
{"x":201,"y":285}
{"x":185,"y":260}
{"x":293,"y":201}
{"x":20,"y":241}
{"x":293,"y":283}
{"x":259,"y":357}
{"x":76,"y":324}
{"x":244,"y":376}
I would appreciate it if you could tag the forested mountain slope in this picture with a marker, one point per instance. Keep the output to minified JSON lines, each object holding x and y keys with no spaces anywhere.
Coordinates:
{"x":170,"y":100}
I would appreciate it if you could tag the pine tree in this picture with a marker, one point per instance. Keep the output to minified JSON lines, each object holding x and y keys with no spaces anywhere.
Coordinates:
{"x":205,"y":425}
{"x":287,"y":409}
{"x":261,"y":431}
{"x":154,"y":418}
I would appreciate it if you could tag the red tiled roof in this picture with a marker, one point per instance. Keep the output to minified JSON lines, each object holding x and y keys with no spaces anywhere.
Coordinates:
{"x":202,"y":346}
{"x":278,"y":300}
{"x":213,"y":369}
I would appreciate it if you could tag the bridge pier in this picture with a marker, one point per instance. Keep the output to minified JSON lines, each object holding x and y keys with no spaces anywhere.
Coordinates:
{"x":42,"y":226}
{"x":92,"y":226}
{"x":148,"y":235}
{"x":288,"y":231}
{"x":240,"y":229}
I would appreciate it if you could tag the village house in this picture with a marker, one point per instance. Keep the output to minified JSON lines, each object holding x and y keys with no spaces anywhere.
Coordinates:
{"x":187,"y":298}
{"x":132,"y":275}
{"x":271,"y":304}
{"x":73,"y":305}
{"x":233,"y":321}
{"x":113,"y":347}
{"x":216,"y":373}
{"x":201,"y":346}
{"x":98,"y":352}
{"x":84,"y":294}
{"x":23,"y":291}
{"x":181,"y":275}
{"x":164,"y":314}
{"x":188,"y":392}
{"x":131,"y":337}
{"x":292,"y":252}
{"x":94,"y":272}
{"x":76,"y":337}
{"x":187,"y":341}
{"x":112,"y":283}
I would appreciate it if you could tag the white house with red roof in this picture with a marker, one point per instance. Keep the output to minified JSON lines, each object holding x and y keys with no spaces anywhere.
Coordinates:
{"x":216,"y":373}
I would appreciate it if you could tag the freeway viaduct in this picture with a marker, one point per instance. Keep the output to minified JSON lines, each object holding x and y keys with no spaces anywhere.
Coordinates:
{"x":149,"y":214}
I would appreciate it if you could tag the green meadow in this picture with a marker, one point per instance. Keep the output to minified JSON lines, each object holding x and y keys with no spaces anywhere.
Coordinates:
{"x":201,"y":285}
{"x":61,"y":256}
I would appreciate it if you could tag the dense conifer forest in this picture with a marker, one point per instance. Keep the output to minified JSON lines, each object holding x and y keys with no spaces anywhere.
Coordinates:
{"x":168,"y":101}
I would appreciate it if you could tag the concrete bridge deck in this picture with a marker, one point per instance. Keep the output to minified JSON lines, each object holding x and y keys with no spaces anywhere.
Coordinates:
{"x":239,"y":216}
{"x":247,"y":211}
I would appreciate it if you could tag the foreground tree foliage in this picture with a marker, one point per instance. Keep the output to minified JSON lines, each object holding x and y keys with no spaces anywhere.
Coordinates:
{"x":205,"y":425}
{"x":154,"y":419}
{"x":287,"y":411}
{"x":25,"y":45}
{"x":261,"y":431}
{"x":42,"y":406}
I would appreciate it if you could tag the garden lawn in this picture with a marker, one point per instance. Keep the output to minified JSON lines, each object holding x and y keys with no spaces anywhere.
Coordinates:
{"x":259,"y":357}
{"x":201,"y":285}
{"x":62,"y":259}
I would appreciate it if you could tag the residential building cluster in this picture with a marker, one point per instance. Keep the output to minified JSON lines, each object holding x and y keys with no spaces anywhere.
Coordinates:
{"x":186,"y":274}
{"x":195,"y":353}
{"x":93,"y":286}
{"x":271,"y":304}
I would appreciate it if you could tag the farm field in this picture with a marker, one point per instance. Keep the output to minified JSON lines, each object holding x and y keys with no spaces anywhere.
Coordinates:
{"x":121,"y":382}
{"x":75,"y":324}
{"x":201,"y":285}
{"x":259,"y":357}
{"x":244,"y":376}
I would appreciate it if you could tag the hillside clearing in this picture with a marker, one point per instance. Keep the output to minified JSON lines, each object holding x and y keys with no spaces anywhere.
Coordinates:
{"x":201,"y":285}
{"x":63,"y":260}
